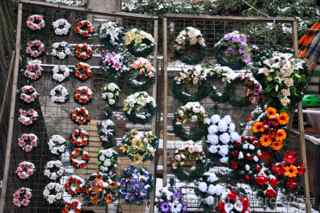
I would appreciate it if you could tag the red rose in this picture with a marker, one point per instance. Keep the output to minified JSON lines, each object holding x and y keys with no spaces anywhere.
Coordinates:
{"x":232,"y":196}
{"x":271,"y":193}
{"x":278,"y":169}
{"x":273,"y":182}
{"x":292,"y":184}
{"x":290,"y":157}
{"x":261,"y":180}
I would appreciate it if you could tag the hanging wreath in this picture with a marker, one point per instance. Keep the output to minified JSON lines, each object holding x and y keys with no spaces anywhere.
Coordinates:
{"x":59,"y":94}
{"x":61,"y":50}
{"x":233,"y":50}
{"x":170,"y":199}
{"x":79,"y":137}
{"x":83,"y":51}
{"x":139,"y":107}
{"x":33,"y":70}
{"x":28,"y":141}
{"x":231,"y":201}
{"x":141,"y":74}
{"x":73,"y":185}
{"x":80,"y":116}
{"x":72,"y":206}
{"x":60,"y":73}
{"x":53,"y":192}
{"x":107,"y":132}
{"x":54,"y":170}
{"x":83,"y":95}
{"x":111,"y":94}
{"x":79,"y":158}
{"x":190,"y":84}
{"x":84,"y":28}
{"x":139,"y":146}
{"x":141,"y":179}
{"x":27,"y":117}
{"x":209,"y":189}
{"x":108,"y":161}
{"x":193,"y":114}
{"x":57,"y":144}
{"x":28,"y":94}
{"x":113,"y":64}
{"x":190,"y":46}
{"x":61,"y":27}
{"x":83,"y":71}
{"x":25,"y":170}
{"x":189,"y":161}
{"x":111,"y":34}
{"x":36,"y":22}
{"x":139,"y":43}
{"x":94,"y":188}
{"x":22,"y":197}
{"x":221,"y":134}
{"x":35,"y":48}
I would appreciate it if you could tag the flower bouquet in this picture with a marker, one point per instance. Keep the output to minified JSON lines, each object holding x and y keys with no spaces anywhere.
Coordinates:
{"x":113,"y":65}
{"x":169,"y":199}
{"x":139,"y":43}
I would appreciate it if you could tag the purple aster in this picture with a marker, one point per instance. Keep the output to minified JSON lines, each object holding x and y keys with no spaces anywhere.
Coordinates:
{"x":165,"y":207}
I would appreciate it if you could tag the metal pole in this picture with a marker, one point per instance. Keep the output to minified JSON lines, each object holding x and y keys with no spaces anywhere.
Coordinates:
{"x":12,"y":112}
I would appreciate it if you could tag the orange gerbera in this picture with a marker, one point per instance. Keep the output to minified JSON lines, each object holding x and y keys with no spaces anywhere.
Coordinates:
{"x":265,"y":140}
{"x":283,"y":118}
{"x":277,"y":145}
{"x":271,"y":112}
{"x":257,"y":127}
{"x":281,"y":135}
{"x":291,"y":171}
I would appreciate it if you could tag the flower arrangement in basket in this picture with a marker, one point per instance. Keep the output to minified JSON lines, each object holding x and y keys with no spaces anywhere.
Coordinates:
{"x":190,"y":46}
{"x":233,"y":50}
{"x":139,"y":43}
{"x":170,"y":199}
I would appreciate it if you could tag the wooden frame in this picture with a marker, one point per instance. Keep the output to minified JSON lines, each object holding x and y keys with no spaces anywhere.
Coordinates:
{"x":290,"y":20}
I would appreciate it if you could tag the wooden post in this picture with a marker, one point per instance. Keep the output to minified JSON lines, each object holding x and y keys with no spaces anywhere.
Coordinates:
{"x":301,"y":130}
{"x":12,"y":113}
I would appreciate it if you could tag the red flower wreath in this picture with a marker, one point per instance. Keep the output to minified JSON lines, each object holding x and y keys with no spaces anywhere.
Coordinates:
{"x":72,"y":206}
{"x":83,"y":51}
{"x":80,"y":137}
{"x":84,"y":158}
{"x":74,"y":185}
{"x":84,"y":28}
{"x":80,"y":116}
{"x":83,"y":95}
{"x":83,"y":71}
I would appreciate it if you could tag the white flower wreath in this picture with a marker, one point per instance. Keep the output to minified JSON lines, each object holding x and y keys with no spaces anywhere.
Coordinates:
{"x":107,"y":131}
{"x":111,"y":32}
{"x":221,"y":133}
{"x":59,"y":94}
{"x":107,"y":160}
{"x":61,"y":49}
{"x":61,"y":27}
{"x":111,"y":93}
{"x":54,"y":170}
{"x":60,"y":72}
{"x":53,"y":192}
{"x":57,"y":144}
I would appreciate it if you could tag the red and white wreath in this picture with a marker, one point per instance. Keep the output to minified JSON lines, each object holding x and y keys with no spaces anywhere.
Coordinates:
{"x":22,"y":197}
{"x":25,"y":169}
{"x":35,"y":48}
{"x":27,"y":117}
{"x":28,"y":141}
{"x":36,"y":22}
{"x":73,"y":185}
{"x":28,"y":94}
{"x":33,"y":70}
{"x":79,"y":158}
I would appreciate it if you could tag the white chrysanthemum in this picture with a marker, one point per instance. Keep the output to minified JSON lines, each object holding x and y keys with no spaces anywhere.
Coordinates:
{"x":224,"y":138}
{"x":209,"y":200}
{"x":213,"y":129}
{"x":203,"y":186}
{"x":213,"y":149}
{"x":223,"y":126}
{"x":213,"y":139}
{"x":227,"y":119}
{"x":215,"y":119}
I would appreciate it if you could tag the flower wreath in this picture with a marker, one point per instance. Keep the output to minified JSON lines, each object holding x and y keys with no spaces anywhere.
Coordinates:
{"x":107,"y":132}
{"x":94,"y":188}
{"x":108,"y":160}
{"x":25,"y":169}
{"x":53,"y":192}
{"x":270,"y":129}
{"x":170,"y":199}
{"x":61,"y":27}
{"x":83,"y":51}
{"x":113,"y":64}
{"x":141,"y":179}
{"x":189,"y":161}
{"x":22,"y":197}
{"x":111,"y":94}
{"x":28,"y":94}
{"x":111,"y":34}
{"x":36,"y":22}
{"x":139,"y":43}
{"x":83,"y":95}
{"x":141,"y":74}
{"x":79,"y":137}
{"x":194,"y":113}
{"x":233,"y":50}
{"x":84,"y":28}
{"x":80,"y":116}
{"x":72,"y":206}
{"x":231,"y":201}
{"x":139,"y":146}
{"x":61,"y":50}
{"x":190,"y":84}
{"x":57,"y":144}
{"x":54,"y":170}
{"x":59,"y":94}
{"x":73,"y":185}
{"x":139,"y":107}
{"x":208,"y":189}
{"x":35,"y":48}
{"x":83,"y":71}
{"x":190,"y":46}
{"x":60,"y":73}
{"x":33,"y":70}
{"x":82,"y":154}
{"x":221,"y":134}
{"x":28,"y":141}
{"x":27,"y":117}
